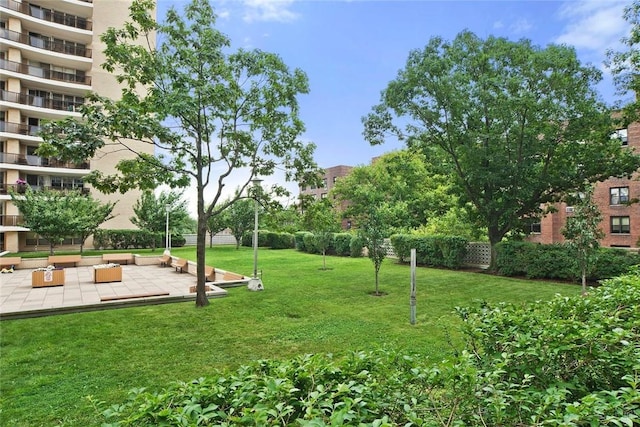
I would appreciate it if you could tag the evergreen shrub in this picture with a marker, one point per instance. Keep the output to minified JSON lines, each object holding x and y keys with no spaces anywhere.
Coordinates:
{"x":342,"y":244}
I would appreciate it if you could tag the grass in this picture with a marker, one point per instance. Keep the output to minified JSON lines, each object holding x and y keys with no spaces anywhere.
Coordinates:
{"x":48,"y":365}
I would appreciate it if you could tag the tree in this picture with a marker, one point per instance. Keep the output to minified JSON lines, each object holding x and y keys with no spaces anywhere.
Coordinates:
{"x":625,"y":65}
{"x":151,"y":212}
{"x":214,"y":114}
{"x":239,"y":218}
{"x":321,"y":219}
{"x":583,"y":233}
{"x":282,"y":219}
{"x":521,"y":126}
{"x":373,"y":227}
{"x":55,"y":215}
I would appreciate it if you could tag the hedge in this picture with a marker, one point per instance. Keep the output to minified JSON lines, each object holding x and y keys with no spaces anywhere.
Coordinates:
{"x":126,"y":239}
{"x":557,"y":261}
{"x":432,"y":251}
{"x":342,"y":244}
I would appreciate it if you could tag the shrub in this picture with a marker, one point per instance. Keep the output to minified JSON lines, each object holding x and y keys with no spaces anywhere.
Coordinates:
{"x":310,"y":243}
{"x":178,"y":240}
{"x":299,"y":238}
{"x":356,"y":246}
{"x":342,"y":243}
{"x":433,"y":251}
{"x":280,"y":240}
{"x":125,"y":239}
{"x":247,"y":239}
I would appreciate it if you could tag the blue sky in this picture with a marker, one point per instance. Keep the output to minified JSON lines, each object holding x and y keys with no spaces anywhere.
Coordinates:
{"x":350,"y":50}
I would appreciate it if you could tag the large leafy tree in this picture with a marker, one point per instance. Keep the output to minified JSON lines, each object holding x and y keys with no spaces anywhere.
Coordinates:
{"x":56,"y":215}
{"x":214,"y":114}
{"x":521,"y":125}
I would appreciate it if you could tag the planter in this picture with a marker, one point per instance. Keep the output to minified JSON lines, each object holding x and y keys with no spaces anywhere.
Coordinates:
{"x":107,"y":274}
{"x":41,"y":279}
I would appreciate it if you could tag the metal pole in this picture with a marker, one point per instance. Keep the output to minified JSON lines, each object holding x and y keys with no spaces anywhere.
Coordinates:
{"x":166,"y":236}
{"x":255,"y":284}
{"x":412,"y":299}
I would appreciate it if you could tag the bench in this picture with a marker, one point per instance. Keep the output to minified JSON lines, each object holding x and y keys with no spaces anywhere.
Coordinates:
{"x":118,"y":258}
{"x":180,"y":265}
{"x":209,"y":274}
{"x":165,"y":260}
{"x":64,"y":259}
{"x":10,"y":261}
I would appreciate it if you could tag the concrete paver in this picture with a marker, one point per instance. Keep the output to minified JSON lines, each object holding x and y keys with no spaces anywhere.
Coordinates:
{"x":79,"y":293}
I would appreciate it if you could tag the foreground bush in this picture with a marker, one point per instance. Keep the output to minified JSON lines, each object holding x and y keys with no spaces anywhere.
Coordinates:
{"x":568,"y":362}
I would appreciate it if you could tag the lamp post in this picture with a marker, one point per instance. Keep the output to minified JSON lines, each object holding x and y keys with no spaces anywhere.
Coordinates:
{"x":167,"y":246}
{"x":255,"y":284}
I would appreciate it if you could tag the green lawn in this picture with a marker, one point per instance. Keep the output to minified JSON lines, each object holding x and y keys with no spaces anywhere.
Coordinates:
{"x":48,"y":365}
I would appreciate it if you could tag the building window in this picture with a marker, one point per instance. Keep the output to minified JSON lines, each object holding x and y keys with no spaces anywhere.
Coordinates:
{"x":618,"y":195}
{"x":621,"y":134}
{"x":323,"y":196}
{"x":324,"y":183}
{"x":334,"y":179}
{"x":536,"y":228}
{"x":620,"y":225}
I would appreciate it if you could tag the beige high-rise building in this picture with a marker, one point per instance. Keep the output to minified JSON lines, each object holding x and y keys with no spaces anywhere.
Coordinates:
{"x":50,"y":57}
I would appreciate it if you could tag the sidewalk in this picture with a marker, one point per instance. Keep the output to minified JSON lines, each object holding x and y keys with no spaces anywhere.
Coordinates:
{"x":19,"y":299}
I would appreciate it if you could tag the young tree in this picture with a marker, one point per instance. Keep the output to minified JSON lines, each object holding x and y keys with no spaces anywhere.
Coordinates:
{"x":282,"y":219}
{"x":373,"y":227}
{"x":522,"y":126}
{"x":239,"y":218}
{"x":151,"y":212}
{"x":55,"y":215}
{"x":583,"y":233}
{"x":218,"y":116}
{"x":321,"y":219}
{"x":215,"y":224}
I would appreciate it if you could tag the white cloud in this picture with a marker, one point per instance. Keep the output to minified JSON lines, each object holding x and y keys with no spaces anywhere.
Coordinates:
{"x":593,"y":25}
{"x":520,"y":26}
{"x":269,"y":10}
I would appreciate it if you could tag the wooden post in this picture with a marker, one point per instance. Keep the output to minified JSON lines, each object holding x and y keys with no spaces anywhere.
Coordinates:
{"x":412,"y":299}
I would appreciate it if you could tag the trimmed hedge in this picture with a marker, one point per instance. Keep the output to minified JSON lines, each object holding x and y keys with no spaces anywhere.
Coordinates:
{"x":356,"y":246}
{"x":299,"y":238}
{"x":247,"y":239}
{"x":557,"y":261}
{"x":342,"y":244}
{"x":269,"y":239}
{"x":135,"y":239}
{"x":432,"y":251}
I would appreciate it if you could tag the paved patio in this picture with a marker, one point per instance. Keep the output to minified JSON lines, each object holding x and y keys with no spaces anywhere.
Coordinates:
{"x":19,"y":299}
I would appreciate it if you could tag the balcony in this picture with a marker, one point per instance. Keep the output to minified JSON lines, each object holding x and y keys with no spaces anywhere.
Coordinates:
{"x":54,"y":103}
{"x":21,"y":188}
{"x":31,"y":160}
{"x":49,"y":15}
{"x":11,"y":220}
{"x":19,"y":128}
{"x":45,"y":73}
{"x":53,"y":45}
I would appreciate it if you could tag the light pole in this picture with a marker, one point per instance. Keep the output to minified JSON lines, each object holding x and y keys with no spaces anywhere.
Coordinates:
{"x":167,"y":246}
{"x":255,"y":284}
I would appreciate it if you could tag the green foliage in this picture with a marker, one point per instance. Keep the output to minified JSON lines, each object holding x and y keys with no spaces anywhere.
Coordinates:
{"x":309,"y":241}
{"x":342,"y":243}
{"x":299,"y":237}
{"x":263,"y":242}
{"x":432,"y":251}
{"x":356,"y":246}
{"x":558,"y":261}
{"x":572,"y":361}
{"x":279,"y":218}
{"x":583,"y":233}
{"x":126,"y":239}
{"x":280,"y":240}
{"x":55,"y":215}
{"x":239,"y":217}
{"x":523,"y":125}
{"x":151,"y":212}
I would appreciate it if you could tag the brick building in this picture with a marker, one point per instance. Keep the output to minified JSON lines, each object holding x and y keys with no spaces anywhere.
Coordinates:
{"x":621,"y":220}
{"x":331,"y":175}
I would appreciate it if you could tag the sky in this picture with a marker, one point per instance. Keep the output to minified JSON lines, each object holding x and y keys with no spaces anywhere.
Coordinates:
{"x":351,"y":50}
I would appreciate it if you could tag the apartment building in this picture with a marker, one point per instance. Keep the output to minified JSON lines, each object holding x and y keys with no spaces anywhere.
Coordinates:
{"x":615,"y":197}
{"x":50,"y":57}
{"x":331,"y":175}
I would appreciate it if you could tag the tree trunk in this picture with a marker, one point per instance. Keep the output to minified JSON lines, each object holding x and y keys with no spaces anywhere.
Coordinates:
{"x":584,"y":281}
{"x":495,"y":237}
{"x":324,"y":259}
{"x":201,"y":293}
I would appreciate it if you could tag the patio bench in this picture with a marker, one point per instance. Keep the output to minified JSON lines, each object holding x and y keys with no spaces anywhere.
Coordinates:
{"x":64,"y":259}
{"x":180,"y":265}
{"x":121,"y":297}
{"x":118,"y":258}
{"x":10,"y":261}
{"x":165,"y":260}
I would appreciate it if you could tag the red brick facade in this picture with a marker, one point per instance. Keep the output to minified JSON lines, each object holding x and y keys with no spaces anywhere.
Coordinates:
{"x":615,"y":215}
{"x":331,"y":175}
